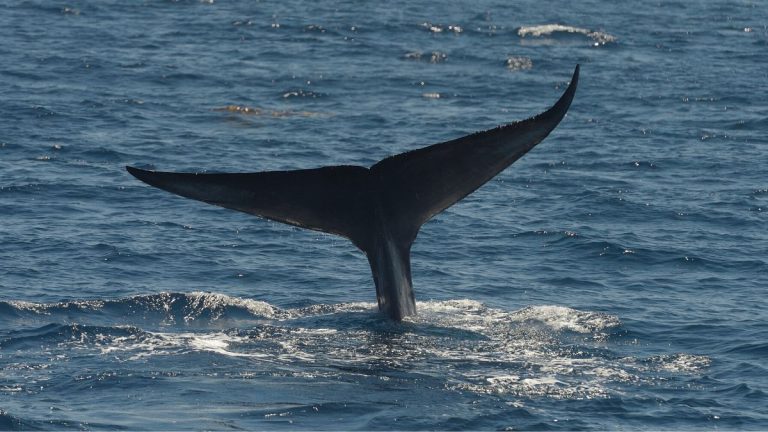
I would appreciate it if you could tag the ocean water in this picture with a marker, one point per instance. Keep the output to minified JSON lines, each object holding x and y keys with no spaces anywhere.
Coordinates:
{"x":613,"y":278}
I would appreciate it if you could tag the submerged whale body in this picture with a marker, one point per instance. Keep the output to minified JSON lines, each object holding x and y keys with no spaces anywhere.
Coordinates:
{"x":381,"y":208}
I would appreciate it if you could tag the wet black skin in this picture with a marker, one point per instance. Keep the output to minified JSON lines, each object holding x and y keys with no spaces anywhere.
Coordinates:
{"x":381,"y":208}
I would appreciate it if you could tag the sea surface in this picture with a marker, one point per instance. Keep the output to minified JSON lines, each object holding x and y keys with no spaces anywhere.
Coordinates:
{"x":613,"y":278}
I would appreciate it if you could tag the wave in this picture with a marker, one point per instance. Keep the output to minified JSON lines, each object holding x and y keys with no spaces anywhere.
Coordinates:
{"x":756,"y":349}
{"x":206,"y":308}
{"x":163,"y":308}
{"x":597,"y":37}
{"x":11,"y":422}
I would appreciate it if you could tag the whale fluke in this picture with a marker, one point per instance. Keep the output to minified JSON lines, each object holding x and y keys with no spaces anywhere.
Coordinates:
{"x":380,"y":209}
{"x":329,"y":199}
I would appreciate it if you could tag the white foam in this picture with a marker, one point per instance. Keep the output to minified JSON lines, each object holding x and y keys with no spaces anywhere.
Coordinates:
{"x":215,"y":303}
{"x":136,"y":347}
{"x":29,"y":306}
{"x":527,"y":353}
{"x":688,"y":363}
{"x":450,"y":306}
{"x":470,"y":314}
{"x":46,"y":308}
{"x":599,"y":38}
{"x":565,"y":318}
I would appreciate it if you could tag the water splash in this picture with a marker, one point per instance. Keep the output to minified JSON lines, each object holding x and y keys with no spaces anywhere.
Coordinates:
{"x":545,"y":351}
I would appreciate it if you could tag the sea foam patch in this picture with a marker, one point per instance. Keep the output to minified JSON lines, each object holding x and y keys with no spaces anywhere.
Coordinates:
{"x":548,"y":351}
{"x":597,"y":37}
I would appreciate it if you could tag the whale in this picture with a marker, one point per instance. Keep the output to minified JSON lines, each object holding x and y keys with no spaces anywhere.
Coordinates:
{"x":380,"y":208}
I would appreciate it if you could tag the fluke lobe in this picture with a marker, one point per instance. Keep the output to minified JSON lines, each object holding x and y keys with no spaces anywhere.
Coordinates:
{"x":381,"y":208}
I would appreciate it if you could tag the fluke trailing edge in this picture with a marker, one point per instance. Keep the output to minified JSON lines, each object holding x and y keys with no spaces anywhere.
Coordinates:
{"x":381,"y":208}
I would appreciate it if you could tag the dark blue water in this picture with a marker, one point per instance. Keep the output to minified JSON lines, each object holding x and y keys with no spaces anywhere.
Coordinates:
{"x":613,"y":278}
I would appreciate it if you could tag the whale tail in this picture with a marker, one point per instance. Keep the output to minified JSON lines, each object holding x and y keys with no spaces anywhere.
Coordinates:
{"x":380,"y":209}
